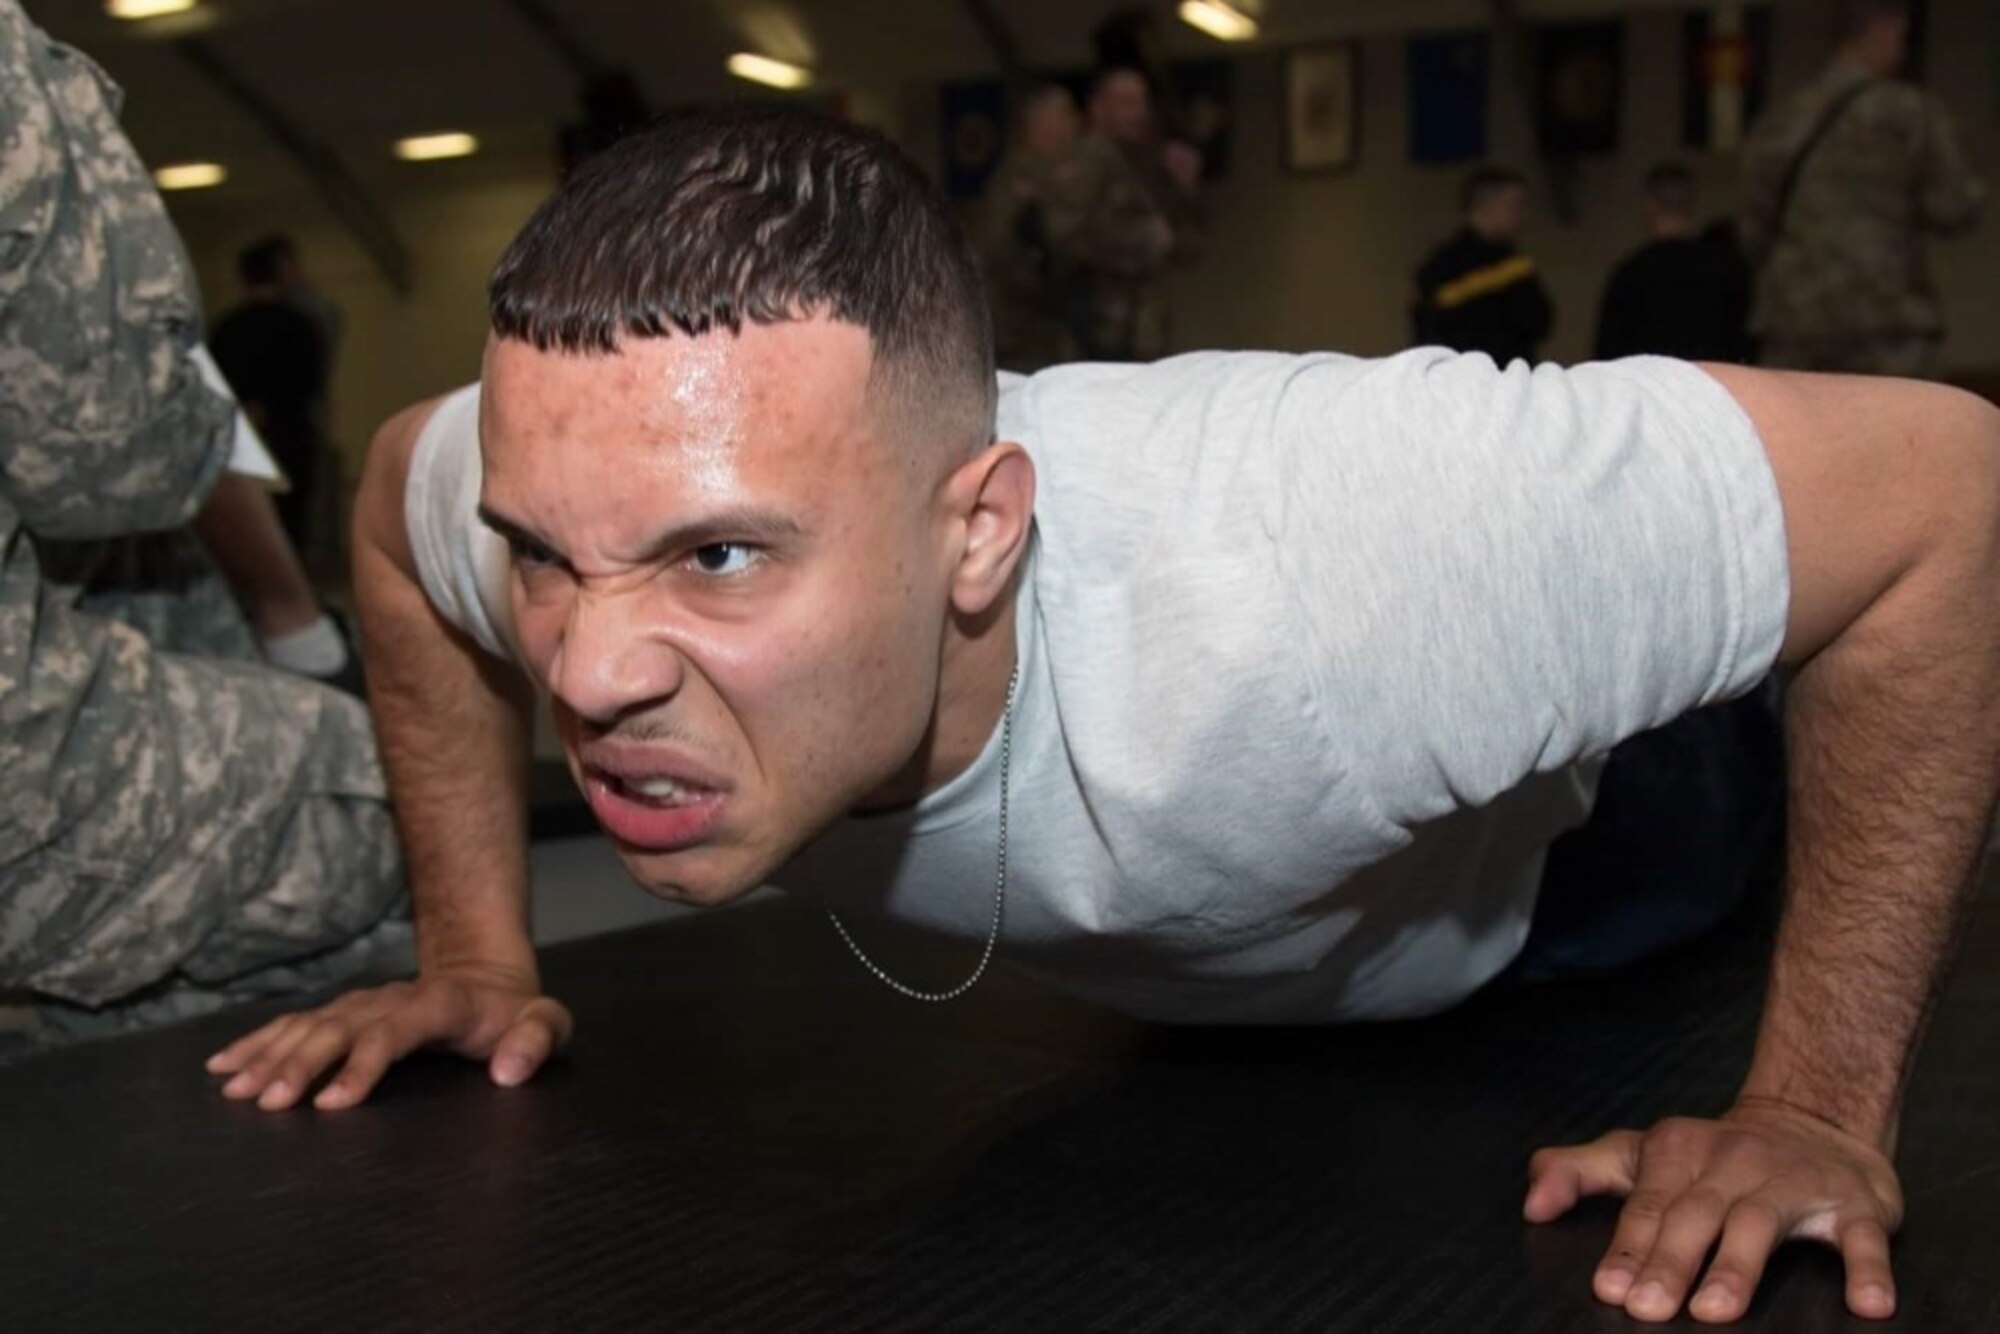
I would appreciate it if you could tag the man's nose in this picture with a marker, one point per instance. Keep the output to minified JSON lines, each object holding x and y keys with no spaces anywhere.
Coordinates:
{"x":609,"y":662}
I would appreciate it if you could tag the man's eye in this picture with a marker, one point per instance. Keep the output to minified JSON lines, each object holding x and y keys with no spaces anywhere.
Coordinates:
{"x":724,"y":558}
{"x":529,"y":554}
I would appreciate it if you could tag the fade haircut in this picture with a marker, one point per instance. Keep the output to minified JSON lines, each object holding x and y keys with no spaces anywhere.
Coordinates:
{"x":712,"y":220}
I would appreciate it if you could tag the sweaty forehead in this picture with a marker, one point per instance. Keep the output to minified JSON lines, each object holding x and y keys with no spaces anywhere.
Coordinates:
{"x":771,"y":393}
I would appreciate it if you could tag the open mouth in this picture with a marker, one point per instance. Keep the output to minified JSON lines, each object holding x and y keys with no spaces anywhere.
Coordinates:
{"x":654,"y":813}
{"x":659,"y":793}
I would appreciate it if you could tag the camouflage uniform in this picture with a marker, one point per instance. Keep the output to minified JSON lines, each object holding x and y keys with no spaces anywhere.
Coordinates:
{"x":1037,"y":307}
{"x":175,"y":831}
{"x":1119,"y":221}
{"x":1842,"y":283}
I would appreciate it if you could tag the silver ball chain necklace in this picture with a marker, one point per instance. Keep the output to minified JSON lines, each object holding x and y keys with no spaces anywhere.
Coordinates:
{"x":999,"y":878}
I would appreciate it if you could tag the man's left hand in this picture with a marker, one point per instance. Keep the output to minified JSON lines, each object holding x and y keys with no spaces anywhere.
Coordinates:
{"x":1765,"y":1172}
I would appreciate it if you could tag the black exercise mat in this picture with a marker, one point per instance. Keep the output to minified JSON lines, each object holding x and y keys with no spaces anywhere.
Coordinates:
{"x":751,"y":1135}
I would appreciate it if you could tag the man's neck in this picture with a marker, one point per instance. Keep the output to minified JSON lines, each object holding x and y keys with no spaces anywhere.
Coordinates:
{"x":976,"y":665}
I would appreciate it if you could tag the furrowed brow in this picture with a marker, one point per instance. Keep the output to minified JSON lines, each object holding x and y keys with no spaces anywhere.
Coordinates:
{"x":512,"y":531}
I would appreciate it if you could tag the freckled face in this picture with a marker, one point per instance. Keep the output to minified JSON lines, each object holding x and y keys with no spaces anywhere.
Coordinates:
{"x":731,"y":584}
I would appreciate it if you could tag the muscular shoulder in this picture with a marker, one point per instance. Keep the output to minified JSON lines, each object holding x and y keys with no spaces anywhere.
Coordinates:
{"x":385,"y":476}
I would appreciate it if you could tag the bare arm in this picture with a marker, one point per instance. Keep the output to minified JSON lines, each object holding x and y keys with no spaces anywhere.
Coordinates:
{"x":239,"y":526}
{"x":1891,"y":493}
{"x":454,"y":728}
{"x":1892,"y":501}
{"x":453,"y":724}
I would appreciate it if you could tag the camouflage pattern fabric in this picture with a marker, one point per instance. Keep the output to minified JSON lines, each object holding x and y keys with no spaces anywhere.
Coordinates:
{"x":1842,"y":279}
{"x":1032,"y":290}
{"x":175,"y":820}
{"x":1120,"y":226}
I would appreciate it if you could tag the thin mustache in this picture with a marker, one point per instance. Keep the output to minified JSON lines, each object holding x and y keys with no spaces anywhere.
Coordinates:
{"x":641,"y":731}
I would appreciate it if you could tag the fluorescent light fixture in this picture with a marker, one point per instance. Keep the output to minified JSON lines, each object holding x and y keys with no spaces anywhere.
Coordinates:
{"x":134,"y":10}
{"x":1218,"y":19}
{"x":190,"y":176}
{"x":431,"y":147}
{"x":769,"y":72}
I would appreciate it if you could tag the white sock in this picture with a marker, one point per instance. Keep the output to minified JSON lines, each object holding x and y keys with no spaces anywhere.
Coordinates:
{"x":317,"y":650}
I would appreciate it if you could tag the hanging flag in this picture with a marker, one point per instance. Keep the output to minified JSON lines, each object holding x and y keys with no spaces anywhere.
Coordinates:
{"x":1579,"y":87}
{"x":973,"y":121}
{"x":1725,"y":73}
{"x":1450,"y":74}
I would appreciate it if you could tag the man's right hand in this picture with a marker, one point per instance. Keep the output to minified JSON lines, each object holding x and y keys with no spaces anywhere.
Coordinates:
{"x":454,"y":725}
{"x":494,"y":1015}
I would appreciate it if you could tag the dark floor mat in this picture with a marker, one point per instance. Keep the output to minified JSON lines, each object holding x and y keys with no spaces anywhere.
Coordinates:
{"x":750,"y":1135}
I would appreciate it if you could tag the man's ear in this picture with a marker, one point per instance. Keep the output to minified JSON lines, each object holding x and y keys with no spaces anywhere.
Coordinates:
{"x":991,"y":503}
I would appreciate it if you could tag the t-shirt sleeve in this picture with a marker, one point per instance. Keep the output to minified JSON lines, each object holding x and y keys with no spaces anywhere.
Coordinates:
{"x":1499,"y":572}
{"x":461,"y":563}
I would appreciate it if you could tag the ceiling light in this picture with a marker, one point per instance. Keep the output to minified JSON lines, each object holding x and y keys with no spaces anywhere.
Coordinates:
{"x":771,"y":73}
{"x":134,"y":10}
{"x":1219,"y":20}
{"x":431,"y":147}
{"x":190,"y":176}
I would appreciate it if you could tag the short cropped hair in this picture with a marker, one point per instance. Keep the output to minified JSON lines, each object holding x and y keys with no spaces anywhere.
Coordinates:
{"x":1486,"y":182}
{"x":1671,"y":186}
{"x":260,"y":263}
{"x":713,"y":219}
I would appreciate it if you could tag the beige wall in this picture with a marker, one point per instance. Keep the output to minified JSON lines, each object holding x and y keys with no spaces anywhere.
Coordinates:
{"x":395,"y":350}
{"x":1295,"y":262}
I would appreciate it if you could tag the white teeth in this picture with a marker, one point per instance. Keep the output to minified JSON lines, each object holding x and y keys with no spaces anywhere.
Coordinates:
{"x":660,"y":789}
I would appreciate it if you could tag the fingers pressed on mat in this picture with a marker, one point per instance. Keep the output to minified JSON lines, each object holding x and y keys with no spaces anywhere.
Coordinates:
{"x":324,"y":1045}
{"x":1871,"y":1282}
{"x":371,"y":1056}
{"x":1687,"y":1229}
{"x":1749,"y":1235}
{"x":240,"y":1053}
{"x":256,"y":1076}
{"x":1557,"y":1178}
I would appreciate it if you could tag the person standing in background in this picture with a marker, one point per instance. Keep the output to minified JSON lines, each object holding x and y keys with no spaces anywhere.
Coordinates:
{"x":1121,"y":213}
{"x":1038,"y":306}
{"x":1477,"y":292}
{"x":326,"y":526}
{"x":1843,"y":185}
{"x":1686,"y":292}
{"x":275,"y":359}
{"x":314,"y":304}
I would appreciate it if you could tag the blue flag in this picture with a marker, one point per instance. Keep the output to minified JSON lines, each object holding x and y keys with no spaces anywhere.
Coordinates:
{"x":974,"y":125}
{"x":1449,"y":79}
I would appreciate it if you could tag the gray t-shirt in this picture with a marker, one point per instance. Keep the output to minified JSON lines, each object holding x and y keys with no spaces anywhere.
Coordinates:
{"x":1315,"y":654}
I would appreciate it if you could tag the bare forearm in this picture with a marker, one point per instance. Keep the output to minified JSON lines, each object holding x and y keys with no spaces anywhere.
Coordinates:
{"x":453,"y":724}
{"x":239,"y":526}
{"x":1894,"y":746}
{"x":454,"y":731}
